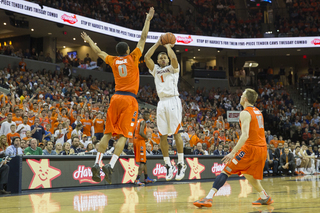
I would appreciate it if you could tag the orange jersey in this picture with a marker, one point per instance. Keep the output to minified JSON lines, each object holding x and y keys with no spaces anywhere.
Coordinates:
{"x":69,"y":133}
{"x":17,"y":120}
{"x":256,"y":131}
{"x":10,"y":136}
{"x":87,"y":124}
{"x":98,"y":125}
{"x":31,"y":121}
{"x":137,"y":136}
{"x":125,"y":71}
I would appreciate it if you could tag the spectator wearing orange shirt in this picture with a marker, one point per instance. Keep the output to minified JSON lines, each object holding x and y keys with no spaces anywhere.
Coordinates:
{"x":193,"y":139}
{"x":274,"y":141}
{"x":12,"y":134}
{"x":155,"y":136}
{"x":22,"y":65}
{"x":98,"y":124}
{"x":87,"y":124}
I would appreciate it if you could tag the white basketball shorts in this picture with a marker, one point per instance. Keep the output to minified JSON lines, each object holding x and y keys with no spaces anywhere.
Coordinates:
{"x":169,"y":115}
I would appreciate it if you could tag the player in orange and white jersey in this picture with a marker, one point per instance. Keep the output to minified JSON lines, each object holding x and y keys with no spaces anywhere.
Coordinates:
{"x":169,"y":109}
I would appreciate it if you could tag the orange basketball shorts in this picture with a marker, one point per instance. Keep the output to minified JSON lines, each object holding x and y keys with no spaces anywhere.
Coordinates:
{"x":122,"y":115}
{"x":248,"y":160}
{"x":139,"y":147}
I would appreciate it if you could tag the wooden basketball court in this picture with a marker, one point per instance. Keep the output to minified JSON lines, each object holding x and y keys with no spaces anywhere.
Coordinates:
{"x":291,"y":194}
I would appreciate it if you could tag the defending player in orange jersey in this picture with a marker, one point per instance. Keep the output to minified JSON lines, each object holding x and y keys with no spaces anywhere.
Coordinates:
{"x":248,"y":156}
{"x":123,"y":110}
{"x":139,"y":144}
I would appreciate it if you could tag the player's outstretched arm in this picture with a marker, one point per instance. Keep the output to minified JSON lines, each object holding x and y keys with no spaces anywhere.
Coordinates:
{"x":141,"y":132}
{"x":149,"y":54}
{"x":172,"y":56}
{"x":145,"y":30}
{"x":94,"y":47}
{"x":245,"y":119}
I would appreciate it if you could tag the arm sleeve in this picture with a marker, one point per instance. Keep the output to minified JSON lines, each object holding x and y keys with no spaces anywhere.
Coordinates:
{"x":136,"y":54}
{"x":152,"y":72}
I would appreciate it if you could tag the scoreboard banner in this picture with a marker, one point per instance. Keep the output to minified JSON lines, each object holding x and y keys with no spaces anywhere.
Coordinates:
{"x":69,"y":19}
{"x":43,"y":172}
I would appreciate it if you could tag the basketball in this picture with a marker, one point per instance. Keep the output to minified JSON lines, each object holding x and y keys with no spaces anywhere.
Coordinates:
{"x":168,"y":38}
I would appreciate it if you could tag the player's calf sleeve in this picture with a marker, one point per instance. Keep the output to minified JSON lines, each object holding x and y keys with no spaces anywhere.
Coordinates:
{"x":219,"y":181}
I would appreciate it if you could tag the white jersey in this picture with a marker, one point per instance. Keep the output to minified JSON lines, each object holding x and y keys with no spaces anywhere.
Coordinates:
{"x":166,"y":80}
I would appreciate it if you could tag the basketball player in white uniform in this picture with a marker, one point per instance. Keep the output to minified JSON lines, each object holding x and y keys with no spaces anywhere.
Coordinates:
{"x":169,"y":110}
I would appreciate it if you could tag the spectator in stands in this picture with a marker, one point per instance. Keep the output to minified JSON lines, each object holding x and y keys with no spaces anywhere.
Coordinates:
{"x":271,"y":162}
{"x":37,"y":130}
{"x":219,"y":151}
{"x":6,"y":125}
{"x":87,"y":59}
{"x":66,"y":70}
{"x":156,"y":150}
{"x":66,"y":150}
{"x":24,"y":127}
{"x":12,"y":134}
{"x":22,"y":65}
{"x":287,"y":162}
{"x":3,"y":143}
{"x":14,"y":149}
{"x":33,"y":149}
{"x":60,"y":133}
{"x":199,"y":150}
{"x":48,"y":58}
{"x":149,"y":149}
{"x":76,"y":145}
{"x":58,"y":148}
{"x":49,"y":149}
{"x":4,"y":174}
{"x":23,"y":145}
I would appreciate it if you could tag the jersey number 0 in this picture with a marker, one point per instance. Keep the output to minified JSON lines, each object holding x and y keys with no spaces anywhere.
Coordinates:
{"x":122,"y":70}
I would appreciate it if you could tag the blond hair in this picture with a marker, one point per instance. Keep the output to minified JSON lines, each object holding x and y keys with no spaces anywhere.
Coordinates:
{"x":251,"y":96}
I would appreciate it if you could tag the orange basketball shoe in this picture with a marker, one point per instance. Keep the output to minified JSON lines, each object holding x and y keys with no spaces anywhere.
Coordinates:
{"x":260,"y":201}
{"x":204,"y":202}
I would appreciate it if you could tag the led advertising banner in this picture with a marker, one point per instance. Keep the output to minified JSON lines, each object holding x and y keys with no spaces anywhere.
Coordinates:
{"x":88,"y":24}
{"x":74,"y":171}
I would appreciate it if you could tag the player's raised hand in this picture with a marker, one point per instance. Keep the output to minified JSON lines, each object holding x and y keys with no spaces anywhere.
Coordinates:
{"x":150,"y":14}
{"x":168,"y":45}
{"x":85,"y":37}
{"x":227,"y":158}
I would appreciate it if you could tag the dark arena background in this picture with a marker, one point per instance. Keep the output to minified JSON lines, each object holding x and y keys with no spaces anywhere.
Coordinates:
{"x":55,"y":92}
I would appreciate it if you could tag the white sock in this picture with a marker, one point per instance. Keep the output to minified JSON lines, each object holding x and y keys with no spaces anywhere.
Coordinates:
{"x":211,"y":193}
{"x":99,"y":158}
{"x":167,"y":160}
{"x":180,"y":158}
{"x":263,"y":194}
{"x":113,"y":160}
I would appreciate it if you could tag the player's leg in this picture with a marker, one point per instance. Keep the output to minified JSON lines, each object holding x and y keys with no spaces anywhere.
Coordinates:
{"x":181,"y":165}
{"x":165,"y":152}
{"x":264,"y":199}
{"x":102,"y":148}
{"x":141,"y":169}
{"x":147,"y":179}
{"x":217,"y":184}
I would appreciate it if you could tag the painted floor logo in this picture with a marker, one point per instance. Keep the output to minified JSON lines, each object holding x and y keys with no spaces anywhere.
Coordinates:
{"x":43,"y":173}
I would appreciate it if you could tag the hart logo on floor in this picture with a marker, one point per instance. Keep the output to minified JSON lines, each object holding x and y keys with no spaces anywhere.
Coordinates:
{"x":160,"y":171}
{"x":130,"y":170}
{"x":83,"y":174}
{"x":90,"y":202}
{"x":165,"y":193}
{"x":42,"y":203}
{"x":217,"y":168}
{"x":195,"y":168}
{"x":43,"y":173}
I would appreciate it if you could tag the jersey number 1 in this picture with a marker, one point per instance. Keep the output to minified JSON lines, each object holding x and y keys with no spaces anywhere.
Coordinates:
{"x":260,"y":122}
{"x":122,"y":70}
{"x":162,"y":78}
